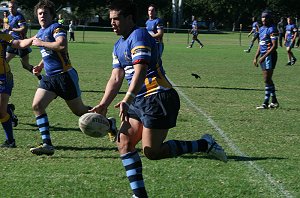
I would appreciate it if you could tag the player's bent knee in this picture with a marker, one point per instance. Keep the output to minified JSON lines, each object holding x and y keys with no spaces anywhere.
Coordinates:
{"x":152,"y":154}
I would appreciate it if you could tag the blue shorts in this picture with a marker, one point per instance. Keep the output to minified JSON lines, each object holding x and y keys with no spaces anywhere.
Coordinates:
{"x":64,"y":85}
{"x":20,"y":52}
{"x":270,"y":62}
{"x":157,"y":111}
{"x":289,"y":44}
{"x":6,"y":83}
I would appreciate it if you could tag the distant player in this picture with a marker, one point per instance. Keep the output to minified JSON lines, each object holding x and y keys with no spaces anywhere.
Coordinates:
{"x":155,"y":27}
{"x":266,"y":50}
{"x":150,"y":106}
{"x":194,"y":31}
{"x":254,"y":31}
{"x":17,"y":27}
{"x":281,"y":30}
{"x":291,"y":33}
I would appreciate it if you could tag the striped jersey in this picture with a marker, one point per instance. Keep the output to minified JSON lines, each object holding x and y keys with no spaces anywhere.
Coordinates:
{"x":140,"y":47}
{"x":54,"y":61}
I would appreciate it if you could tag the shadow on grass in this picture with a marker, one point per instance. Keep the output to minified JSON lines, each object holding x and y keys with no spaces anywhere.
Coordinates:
{"x":235,"y":158}
{"x":94,"y":148}
{"x":229,"y":88}
{"x":52,"y":128}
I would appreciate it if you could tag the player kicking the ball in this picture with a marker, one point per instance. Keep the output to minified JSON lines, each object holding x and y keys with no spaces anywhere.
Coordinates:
{"x":150,"y":107}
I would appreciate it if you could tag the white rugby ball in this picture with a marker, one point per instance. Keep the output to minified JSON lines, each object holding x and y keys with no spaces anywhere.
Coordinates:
{"x":93,"y":124}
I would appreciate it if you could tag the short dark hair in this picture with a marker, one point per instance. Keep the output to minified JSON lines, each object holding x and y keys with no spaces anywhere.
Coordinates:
{"x":154,"y":6}
{"x":126,"y":8}
{"x":45,"y":4}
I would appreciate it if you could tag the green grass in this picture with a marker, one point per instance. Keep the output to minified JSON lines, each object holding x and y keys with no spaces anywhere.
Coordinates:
{"x":262,"y":146}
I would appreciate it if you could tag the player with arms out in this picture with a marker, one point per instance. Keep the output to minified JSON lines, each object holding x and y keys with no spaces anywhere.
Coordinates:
{"x":255,"y":32}
{"x":150,"y":106}
{"x":266,"y":50}
{"x":60,"y":78}
{"x":155,"y":27}
{"x":291,"y":33}
{"x":6,"y":86}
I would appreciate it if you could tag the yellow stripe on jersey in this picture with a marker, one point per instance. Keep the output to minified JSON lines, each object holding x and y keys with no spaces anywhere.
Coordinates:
{"x":133,"y":50}
{"x":4,"y":66}
{"x":65,"y":62}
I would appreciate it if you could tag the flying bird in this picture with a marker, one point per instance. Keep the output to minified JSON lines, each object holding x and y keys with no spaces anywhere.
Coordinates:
{"x":196,"y":75}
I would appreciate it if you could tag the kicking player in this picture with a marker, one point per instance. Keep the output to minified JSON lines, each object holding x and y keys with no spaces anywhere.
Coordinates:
{"x":266,"y":50}
{"x":155,"y":27}
{"x":150,"y":106}
{"x":6,"y":86}
{"x":291,"y":33}
{"x":194,"y":32}
{"x":254,"y":31}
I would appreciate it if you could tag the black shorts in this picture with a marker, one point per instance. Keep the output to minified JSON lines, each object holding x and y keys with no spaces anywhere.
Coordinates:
{"x":157,"y":111}
{"x":19,"y":52}
{"x":64,"y":85}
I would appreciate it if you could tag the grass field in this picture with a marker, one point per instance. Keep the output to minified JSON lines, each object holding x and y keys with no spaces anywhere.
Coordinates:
{"x":262,"y":146}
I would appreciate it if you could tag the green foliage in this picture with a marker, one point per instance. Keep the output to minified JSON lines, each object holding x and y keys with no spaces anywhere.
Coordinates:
{"x":262,"y":146}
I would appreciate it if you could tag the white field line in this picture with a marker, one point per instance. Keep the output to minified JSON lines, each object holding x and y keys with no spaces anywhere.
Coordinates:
{"x":274,"y":185}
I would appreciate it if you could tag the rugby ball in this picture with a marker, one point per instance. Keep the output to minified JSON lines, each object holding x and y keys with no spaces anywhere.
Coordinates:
{"x":93,"y":124}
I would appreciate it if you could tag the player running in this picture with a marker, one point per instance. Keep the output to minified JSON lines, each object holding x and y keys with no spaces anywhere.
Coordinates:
{"x":268,"y":36}
{"x":195,"y":31}
{"x":291,"y":33}
{"x":255,"y":32}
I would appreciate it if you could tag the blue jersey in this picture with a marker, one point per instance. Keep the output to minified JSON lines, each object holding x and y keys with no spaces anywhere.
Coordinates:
{"x":194,"y":30}
{"x":266,"y":36}
{"x":141,"y":47}
{"x":54,"y":61}
{"x":17,"y":21}
{"x":290,"y":31}
{"x":152,"y":25}
{"x":254,"y":27}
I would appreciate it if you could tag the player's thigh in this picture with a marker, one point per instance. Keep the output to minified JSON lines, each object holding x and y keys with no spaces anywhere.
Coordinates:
{"x":9,"y":56}
{"x":153,"y":138}
{"x":42,"y":99}
{"x":77,"y":106}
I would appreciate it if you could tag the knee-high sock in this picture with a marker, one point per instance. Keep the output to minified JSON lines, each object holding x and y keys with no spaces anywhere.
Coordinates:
{"x":133,"y":166}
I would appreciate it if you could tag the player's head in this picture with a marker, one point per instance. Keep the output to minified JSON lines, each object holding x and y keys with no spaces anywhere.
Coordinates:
{"x":45,"y":11}
{"x":289,"y":20}
{"x":45,"y":5}
{"x":12,"y":7}
{"x":266,"y":17}
{"x":122,"y":14}
{"x":152,"y":11}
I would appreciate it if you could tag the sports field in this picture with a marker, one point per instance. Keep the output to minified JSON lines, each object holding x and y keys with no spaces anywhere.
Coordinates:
{"x":262,"y":146}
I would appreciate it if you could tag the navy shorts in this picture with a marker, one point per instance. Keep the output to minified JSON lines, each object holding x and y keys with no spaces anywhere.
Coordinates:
{"x":6,"y":83}
{"x":157,"y":111}
{"x":19,"y":52}
{"x":270,"y":62}
{"x":64,"y":85}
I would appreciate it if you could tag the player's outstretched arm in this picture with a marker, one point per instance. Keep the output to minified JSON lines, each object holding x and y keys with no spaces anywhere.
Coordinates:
{"x":22,"y":43}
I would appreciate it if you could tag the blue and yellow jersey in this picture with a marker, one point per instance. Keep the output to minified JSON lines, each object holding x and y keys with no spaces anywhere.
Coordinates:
{"x":194,"y":30}
{"x":291,"y":30}
{"x":152,"y":25}
{"x":266,"y":36}
{"x":141,"y":47}
{"x":54,"y":61}
{"x":5,"y":40}
{"x":17,"y":21}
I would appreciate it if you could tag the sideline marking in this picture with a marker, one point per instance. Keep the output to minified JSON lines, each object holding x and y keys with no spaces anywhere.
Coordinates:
{"x":274,"y":184}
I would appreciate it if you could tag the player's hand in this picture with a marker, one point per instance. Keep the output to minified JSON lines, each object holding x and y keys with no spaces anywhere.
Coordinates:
{"x":255,"y":62}
{"x":101,"y":109}
{"x":37,"y":69}
{"x":37,"y":42}
{"x":124,"y":107}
